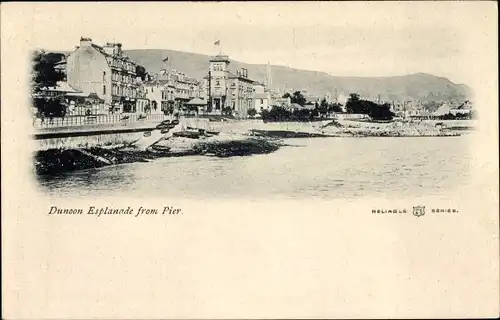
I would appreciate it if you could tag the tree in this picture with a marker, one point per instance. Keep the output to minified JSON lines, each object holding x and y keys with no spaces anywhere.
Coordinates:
{"x":228,"y":111}
{"x":298,"y":98}
{"x":374,"y":110}
{"x":287,"y":95}
{"x":335,"y":107}
{"x":43,"y":73}
{"x":354,"y":97}
{"x":359,"y":106}
{"x":276,"y":114}
{"x":323,"y":108}
{"x":354,"y":104}
{"x":141,"y":72}
{"x":252,"y":112}
{"x":381,"y":112}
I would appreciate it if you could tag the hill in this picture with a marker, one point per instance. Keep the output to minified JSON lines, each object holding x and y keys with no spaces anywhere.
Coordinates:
{"x":419,"y":86}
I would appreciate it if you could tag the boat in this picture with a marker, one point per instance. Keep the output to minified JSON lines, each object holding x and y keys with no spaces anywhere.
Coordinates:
{"x":163,"y":126}
{"x":160,"y":148}
{"x":187,"y":134}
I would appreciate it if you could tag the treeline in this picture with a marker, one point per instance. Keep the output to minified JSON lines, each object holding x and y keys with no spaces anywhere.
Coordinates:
{"x":323,"y":109}
{"x":279,"y":114}
{"x":376,"y":111}
{"x":458,"y":116}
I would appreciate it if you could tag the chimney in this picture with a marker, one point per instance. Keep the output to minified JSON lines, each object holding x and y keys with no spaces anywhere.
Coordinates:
{"x":243,"y":73}
{"x":108,"y":48}
{"x":85,"y":42}
{"x":117,"y":49}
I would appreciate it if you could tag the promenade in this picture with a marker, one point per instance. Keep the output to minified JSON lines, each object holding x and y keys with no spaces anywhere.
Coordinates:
{"x":98,"y":124}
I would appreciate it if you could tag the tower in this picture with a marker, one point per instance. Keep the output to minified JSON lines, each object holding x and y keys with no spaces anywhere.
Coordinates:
{"x":269,"y":80}
{"x":218,"y":77}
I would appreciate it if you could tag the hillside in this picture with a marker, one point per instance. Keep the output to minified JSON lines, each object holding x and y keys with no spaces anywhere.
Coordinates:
{"x":409,"y":87}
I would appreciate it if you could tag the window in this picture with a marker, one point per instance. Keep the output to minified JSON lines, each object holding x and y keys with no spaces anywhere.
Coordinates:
{"x":104,"y":89}
{"x":104,"y":76}
{"x":261,"y":101}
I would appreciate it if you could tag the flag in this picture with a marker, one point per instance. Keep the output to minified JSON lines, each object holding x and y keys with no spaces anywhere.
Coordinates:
{"x":166,"y":59}
{"x":217,"y":43}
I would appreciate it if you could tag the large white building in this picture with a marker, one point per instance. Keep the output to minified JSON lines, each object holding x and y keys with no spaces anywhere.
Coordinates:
{"x":170,"y":90}
{"x":225,"y":89}
{"x":105,"y":71}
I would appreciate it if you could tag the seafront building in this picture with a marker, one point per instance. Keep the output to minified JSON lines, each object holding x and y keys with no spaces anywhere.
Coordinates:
{"x":226,"y":89}
{"x":170,"y":91}
{"x":105,"y":71}
{"x":153,"y":91}
{"x":261,"y":97}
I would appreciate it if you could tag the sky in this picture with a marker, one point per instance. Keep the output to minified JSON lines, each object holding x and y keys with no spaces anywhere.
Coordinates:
{"x":340,"y":38}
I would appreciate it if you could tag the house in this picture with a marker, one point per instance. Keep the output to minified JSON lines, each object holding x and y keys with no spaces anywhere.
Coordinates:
{"x":281,"y":102}
{"x":295,"y":106}
{"x":310,"y":105}
{"x":261,"y":97}
{"x":153,"y":91}
{"x":261,"y":101}
{"x":105,"y":71}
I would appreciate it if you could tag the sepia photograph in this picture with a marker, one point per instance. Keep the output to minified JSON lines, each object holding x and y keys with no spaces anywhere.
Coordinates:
{"x":257,"y":111}
{"x":283,"y":159}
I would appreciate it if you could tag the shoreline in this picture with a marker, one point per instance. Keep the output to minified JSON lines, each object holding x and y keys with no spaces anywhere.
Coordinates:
{"x":254,"y":141}
{"x":53,"y":162}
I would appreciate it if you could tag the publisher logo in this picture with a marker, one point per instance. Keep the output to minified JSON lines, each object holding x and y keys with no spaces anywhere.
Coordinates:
{"x":418,"y":211}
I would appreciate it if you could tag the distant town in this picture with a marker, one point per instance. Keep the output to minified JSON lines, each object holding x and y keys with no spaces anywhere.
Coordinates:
{"x":96,"y":80}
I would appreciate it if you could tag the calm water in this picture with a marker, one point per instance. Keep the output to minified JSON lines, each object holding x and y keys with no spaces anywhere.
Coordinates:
{"x":323,"y":168}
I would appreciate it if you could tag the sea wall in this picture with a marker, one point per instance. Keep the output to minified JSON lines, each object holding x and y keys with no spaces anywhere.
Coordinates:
{"x":103,"y":140}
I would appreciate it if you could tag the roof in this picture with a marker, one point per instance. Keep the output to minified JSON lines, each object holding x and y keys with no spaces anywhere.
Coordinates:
{"x":61,"y":86}
{"x":233,"y":76}
{"x":191,"y":80}
{"x":220,"y":58}
{"x":261,"y":96}
{"x":312,"y":98}
{"x":197,"y":101}
{"x":155,"y":82}
{"x":444,"y":109}
{"x":77,"y":94}
{"x":122,"y":56}
{"x":296,"y":106}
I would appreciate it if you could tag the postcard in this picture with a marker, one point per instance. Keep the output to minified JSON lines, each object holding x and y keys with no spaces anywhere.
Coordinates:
{"x":230,"y":160}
